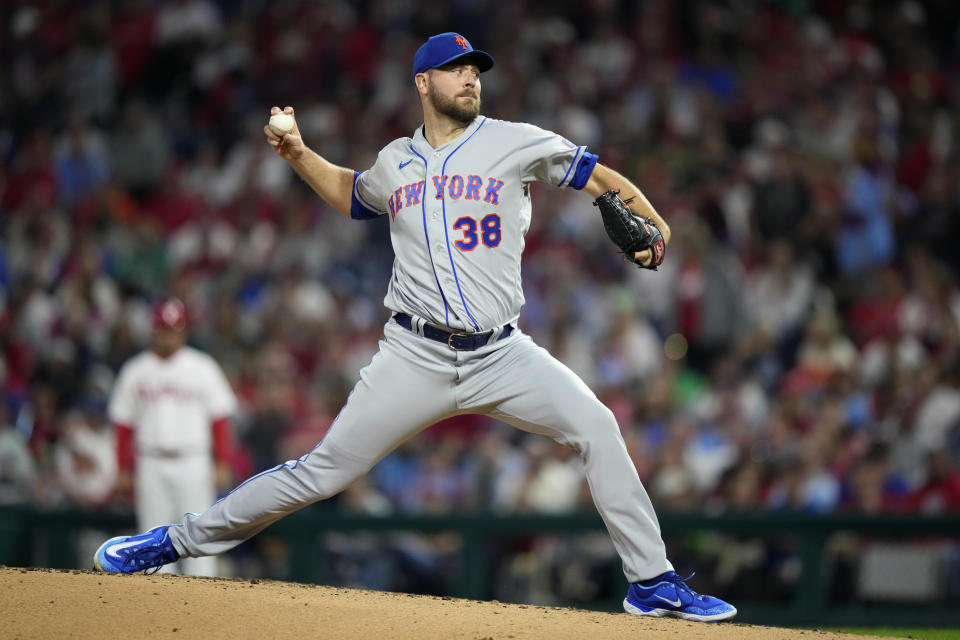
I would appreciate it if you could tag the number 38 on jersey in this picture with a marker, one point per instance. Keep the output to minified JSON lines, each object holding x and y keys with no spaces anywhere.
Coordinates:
{"x":486,"y":231}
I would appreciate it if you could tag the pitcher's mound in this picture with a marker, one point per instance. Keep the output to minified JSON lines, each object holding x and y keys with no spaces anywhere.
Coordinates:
{"x":44,"y":603}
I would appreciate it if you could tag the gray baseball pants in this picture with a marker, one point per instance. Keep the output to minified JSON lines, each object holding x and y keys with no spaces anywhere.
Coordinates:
{"x":414,"y":382}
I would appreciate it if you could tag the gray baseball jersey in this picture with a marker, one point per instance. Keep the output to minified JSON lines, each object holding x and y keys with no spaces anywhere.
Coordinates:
{"x":458,"y":215}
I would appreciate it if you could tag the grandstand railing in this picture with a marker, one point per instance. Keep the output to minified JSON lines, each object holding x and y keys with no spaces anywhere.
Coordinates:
{"x":31,"y":537}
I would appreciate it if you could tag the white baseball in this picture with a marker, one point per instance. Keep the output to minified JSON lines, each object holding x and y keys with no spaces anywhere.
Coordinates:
{"x":281,"y":123}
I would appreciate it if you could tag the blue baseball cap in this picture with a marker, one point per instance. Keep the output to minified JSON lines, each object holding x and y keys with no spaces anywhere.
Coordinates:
{"x":447,"y":47}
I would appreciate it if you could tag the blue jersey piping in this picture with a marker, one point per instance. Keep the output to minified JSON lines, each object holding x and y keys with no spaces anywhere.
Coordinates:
{"x":423,"y":209}
{"x":572,"y":165}
{"x":285,"y":465}
{"x":446,"y":232}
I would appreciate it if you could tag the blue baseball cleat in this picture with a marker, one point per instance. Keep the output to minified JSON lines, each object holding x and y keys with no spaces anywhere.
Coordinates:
{"x":669,"y":595}
{"x":130,"y":554}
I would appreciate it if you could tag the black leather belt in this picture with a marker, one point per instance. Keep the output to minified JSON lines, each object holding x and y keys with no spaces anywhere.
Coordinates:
{"x":456,"y":340}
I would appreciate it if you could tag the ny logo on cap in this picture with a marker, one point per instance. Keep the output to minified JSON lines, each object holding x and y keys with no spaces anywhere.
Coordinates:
{"x":462,"y":42}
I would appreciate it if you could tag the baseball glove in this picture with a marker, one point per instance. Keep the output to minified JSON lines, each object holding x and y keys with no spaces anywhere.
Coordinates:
{"x":630,"y":232}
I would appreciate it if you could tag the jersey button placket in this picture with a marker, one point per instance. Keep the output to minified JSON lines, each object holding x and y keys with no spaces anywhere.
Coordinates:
{"x":437,"y":233}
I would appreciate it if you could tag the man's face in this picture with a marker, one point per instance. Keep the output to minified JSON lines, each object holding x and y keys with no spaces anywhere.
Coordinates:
{"x":167,"y":341}
{"x":454,"y":91}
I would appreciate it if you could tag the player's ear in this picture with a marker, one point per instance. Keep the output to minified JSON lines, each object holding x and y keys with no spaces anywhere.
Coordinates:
{"x":421,"y":81}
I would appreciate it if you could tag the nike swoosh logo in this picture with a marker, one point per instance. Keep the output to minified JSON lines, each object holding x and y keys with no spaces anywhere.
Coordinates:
{"x":403,"y":164}
{"x":675,"y":603}
{"x":120,"y":547}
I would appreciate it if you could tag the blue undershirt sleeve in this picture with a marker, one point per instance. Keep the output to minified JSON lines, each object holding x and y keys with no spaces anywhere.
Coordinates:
{"x":584,"y":168}
{"x":359,"y":210}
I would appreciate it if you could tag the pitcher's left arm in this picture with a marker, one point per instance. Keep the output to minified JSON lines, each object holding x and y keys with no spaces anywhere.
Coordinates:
{"x":604,"y":179}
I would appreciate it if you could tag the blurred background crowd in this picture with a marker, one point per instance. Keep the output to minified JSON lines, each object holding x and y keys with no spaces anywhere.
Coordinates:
{"x":799,"y":350}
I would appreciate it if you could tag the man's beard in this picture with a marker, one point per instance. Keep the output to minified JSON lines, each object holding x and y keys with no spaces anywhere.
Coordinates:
{"x":453,"y":109}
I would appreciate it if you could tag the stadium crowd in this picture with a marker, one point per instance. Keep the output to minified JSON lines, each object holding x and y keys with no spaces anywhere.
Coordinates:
{"x":798,"y":350}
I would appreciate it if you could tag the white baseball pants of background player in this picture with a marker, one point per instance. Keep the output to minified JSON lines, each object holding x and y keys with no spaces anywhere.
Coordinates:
{"x":167,"y":488}
{"x":414,"y":382}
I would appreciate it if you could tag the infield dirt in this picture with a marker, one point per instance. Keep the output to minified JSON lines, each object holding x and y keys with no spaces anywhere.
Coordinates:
{"x":44,"y":603}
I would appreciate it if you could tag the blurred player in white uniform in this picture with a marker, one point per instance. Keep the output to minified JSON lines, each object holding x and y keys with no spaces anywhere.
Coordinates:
{"x":171,"y":408}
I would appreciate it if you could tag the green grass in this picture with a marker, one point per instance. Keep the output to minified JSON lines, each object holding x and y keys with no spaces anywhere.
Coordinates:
{"x":889,"y":632}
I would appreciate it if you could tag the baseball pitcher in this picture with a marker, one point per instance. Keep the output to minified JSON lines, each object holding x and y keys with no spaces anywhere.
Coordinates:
{"x":456,"y":194}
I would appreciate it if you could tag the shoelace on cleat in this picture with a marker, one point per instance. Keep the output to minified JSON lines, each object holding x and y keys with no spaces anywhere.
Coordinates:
{"x":150,"y":557}
{"x":681,"y":585}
